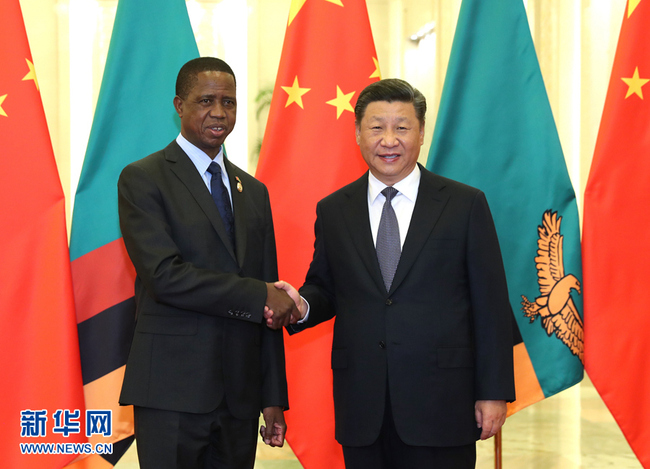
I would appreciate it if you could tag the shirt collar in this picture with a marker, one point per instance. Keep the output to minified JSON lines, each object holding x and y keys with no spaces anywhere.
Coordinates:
{"x":200,"y":159}
{"x":408,"y":186}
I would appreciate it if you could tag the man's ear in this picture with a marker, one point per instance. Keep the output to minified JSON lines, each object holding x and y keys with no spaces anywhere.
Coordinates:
{"x":178,"y":105}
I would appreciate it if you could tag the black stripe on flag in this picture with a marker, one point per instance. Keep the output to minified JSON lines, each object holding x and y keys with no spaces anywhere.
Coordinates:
{"x":119,"y":448}
{"x":105,"y":340}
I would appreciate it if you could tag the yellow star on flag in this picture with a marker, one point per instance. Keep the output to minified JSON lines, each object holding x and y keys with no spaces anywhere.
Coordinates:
{"x":2,"y":111}
{"x":342,"y":102}
{"x":336,"y":2}
{"x":635,"y":83}
{"x":31,"y":75}
{"x":295,"y":93}
{"x":376,"y":73}
{"x":631,"y":6}
{"x":296,"y":6}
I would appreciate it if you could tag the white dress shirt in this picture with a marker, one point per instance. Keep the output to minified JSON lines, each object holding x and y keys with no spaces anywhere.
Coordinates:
{"x":403,"y":204}
{"x":201,"y":161}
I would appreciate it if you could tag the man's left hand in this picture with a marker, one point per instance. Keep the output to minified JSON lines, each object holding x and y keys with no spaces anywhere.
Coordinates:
{"x":274,"y":430}
{"x":490,"y":416}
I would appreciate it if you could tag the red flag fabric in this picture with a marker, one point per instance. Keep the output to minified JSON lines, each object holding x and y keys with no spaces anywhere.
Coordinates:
{"x":41,"y":373}
{"x":615,"y":236}
{"x":309,"y":150}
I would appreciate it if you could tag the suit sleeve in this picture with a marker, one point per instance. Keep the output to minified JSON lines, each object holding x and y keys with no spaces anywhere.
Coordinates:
{"x":160,"y":266}
{"x":492,"y":313}
{"x":318,"y":289}
{"x":274,"y":379}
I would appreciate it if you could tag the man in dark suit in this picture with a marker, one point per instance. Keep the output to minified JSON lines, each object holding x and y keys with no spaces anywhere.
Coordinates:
{"x":409,"y":264}
{"x":200,"y":234}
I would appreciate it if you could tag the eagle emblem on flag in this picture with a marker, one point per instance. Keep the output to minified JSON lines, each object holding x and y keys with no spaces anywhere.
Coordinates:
{"x":558,"y":312}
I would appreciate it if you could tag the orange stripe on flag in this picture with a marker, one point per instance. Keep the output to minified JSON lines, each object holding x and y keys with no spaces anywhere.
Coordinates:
{"x":104,"y":393}
{"x":526,"y":383}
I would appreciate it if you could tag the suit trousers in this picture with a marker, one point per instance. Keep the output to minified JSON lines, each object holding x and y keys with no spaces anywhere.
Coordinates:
{"x":390,"y":452}
{"x":180,"y":440}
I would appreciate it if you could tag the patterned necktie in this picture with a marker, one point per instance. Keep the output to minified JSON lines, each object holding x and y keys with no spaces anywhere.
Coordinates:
{"x":221,"y":198}
{"x":388,"y":242}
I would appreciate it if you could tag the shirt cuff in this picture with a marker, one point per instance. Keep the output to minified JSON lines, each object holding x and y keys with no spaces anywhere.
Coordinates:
{"x":303,"y":320}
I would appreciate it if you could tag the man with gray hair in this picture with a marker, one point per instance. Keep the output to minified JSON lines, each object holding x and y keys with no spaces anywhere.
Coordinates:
{"x":408,"y":263}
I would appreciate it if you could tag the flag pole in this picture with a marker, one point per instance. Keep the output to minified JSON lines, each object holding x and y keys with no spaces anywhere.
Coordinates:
{"x":497,"y":450}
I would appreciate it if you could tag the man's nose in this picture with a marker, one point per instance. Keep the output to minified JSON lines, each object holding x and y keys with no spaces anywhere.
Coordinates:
{"x":217,"y":110}
{"x":389,"y":139}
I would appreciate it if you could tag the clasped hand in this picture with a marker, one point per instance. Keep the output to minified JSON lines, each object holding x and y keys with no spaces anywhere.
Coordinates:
{"x":284,"y":305}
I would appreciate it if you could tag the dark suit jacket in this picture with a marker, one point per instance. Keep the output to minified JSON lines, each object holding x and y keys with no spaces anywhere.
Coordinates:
{"x":439,"y":340}
{"x":199,"y":333}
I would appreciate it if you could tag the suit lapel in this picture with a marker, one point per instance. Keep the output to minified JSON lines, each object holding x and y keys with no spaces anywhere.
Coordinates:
{"x":428,"y":208}
{"x":184,"y":169}
{"x":357,"y":219}
{"x":239,"y":210}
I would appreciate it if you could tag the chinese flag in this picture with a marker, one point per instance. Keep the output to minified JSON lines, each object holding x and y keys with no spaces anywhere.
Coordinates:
{"x":38,"y":330}
{"x":309,"y":150}
{"x":615,"y":237}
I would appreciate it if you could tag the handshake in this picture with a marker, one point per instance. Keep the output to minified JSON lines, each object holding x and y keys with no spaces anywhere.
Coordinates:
{"x":284,"y":305}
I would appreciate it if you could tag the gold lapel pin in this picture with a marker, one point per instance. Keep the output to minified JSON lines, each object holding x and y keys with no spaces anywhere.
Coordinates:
{"x":240,"y":188}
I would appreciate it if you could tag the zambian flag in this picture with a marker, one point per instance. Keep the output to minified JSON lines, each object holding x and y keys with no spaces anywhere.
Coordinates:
{"x":495,"y":131}
{"x":134,"y":117}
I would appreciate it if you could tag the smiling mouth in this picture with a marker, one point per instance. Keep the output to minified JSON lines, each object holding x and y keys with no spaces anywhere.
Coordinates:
{"x":217,"y":129}
{"x":388,"y":157}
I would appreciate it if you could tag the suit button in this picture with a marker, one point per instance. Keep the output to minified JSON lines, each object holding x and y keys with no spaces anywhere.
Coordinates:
{"x":389,"y":302}
{"x":382,"y":344}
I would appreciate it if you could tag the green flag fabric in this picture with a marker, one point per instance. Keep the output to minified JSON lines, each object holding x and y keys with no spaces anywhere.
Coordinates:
{"x":495,"y":131}
{"x":134,"y":117}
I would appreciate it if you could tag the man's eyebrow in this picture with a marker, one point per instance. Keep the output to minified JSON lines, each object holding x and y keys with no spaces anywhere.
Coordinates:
{"x":384,"y":118}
